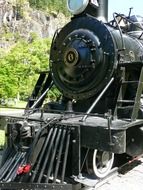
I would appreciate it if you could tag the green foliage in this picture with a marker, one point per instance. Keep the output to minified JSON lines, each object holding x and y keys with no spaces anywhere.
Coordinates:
{"x":51,"y":5}
{"x":20,"y":67}
{"x":2,"y":138}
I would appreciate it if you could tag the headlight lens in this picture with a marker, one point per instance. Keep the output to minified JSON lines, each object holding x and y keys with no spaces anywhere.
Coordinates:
{"x":77,"y":6}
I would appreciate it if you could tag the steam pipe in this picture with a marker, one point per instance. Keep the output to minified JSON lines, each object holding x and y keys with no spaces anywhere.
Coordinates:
{"x":97,"y":100}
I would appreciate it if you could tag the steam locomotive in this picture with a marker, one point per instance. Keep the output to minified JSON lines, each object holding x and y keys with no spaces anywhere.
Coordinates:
{"x":97,"y":67}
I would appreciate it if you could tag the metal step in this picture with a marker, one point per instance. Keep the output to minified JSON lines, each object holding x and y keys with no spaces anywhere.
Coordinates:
{"x":130,"y":82}
{"x":125,"y":107}
{"x":123,"y":104}
{"x":125,"y":101}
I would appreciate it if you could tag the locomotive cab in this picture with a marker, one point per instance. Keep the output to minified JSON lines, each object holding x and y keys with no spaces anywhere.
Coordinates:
{"x":137,"y":23}
{"x":136,"y":27}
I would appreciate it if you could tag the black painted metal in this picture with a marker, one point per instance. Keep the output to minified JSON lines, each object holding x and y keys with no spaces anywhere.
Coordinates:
{"x":40,"y":90}
{"x":102,"y":11}
{"x":100,"y":137}
{"x":65,"y":156}
{"x":134,"y":140}
{"x":97,"y":100}
{"x":137,"y":103}
{"x":47,"y":156}
{"x":39,"y":160}
{"x":95,"y":62}
{"x":76,"y":151}
{"x":59,"y":156}
{"x":35,"y":186}
{"x":7,"y":165}
{"x":8,"y":171}
{"x":52,"y":160}
{"x":53,"y":157}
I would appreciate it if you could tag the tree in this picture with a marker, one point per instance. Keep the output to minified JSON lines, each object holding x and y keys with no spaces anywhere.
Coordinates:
{"x":20,"y":67}
{"x":51,"y":5}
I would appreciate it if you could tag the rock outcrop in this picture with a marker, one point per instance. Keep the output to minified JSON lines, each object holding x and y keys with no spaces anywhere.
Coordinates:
{"x":22,"y":19}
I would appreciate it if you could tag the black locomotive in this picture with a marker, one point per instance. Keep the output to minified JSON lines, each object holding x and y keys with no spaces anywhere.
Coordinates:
{"x":97,"y":67}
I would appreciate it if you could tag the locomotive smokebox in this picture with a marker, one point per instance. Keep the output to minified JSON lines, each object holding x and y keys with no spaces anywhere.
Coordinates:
{"x":101,"y":13}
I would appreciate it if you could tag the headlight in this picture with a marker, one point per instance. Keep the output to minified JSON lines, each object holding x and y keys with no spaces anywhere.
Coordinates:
{"x":77,"y":6}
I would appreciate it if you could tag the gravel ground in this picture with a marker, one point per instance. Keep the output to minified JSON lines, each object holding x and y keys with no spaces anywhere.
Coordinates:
{"x":132,"y":180}
{"x":10,"y":111}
